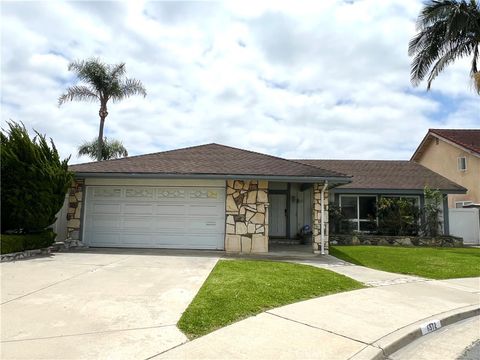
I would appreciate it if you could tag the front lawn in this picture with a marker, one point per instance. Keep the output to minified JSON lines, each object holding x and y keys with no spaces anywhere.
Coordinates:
{"x":236,"y":289}
{"x":434,"y":263}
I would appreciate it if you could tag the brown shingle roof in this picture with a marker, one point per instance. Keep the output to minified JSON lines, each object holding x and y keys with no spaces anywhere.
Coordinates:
{"x":386,"y":175}
{"x":210,"y":159}
{"x":467,"y":138}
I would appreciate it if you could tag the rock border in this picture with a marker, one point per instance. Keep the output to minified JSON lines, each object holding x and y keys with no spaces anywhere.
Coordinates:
{"x":56,"y":247}
{"x":24,"y":254}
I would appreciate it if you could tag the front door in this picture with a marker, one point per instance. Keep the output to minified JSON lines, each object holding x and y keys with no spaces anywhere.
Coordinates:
{"x":277,"y":218}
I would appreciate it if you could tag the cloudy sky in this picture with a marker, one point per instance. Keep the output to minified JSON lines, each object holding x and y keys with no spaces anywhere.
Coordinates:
{"x":318,"y":79}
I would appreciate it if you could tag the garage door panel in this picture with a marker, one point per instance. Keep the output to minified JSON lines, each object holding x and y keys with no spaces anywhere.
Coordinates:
{"x":171,"y":194}
{"x":105,"y":222}
{"x":140,"y":194}
{"x":138,"y":224}
{"x":205,"y":225}
{"x":171,"y":209}
{"x":104,"y":239}
{"x":110,"y":193}
{"x":205,"y":209}
{"x":137,"y":239}
{"x":106,"y":208}
{"x":138,"y":209}
{"x":169,"y":224}
{"x":163,"y":217}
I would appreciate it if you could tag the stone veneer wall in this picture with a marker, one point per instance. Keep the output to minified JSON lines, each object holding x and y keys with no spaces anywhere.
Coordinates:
{"x":386,"y":240}
{"x":74,"y":213}
{"x":246,"y":216}
{"x":316,"y":221}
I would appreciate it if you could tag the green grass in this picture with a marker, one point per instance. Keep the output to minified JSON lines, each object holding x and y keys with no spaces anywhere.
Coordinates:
{"x":434,"y":263}
{"x":236,"y":289}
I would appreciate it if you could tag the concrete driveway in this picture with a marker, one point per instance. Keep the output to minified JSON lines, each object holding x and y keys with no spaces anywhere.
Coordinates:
{"x":98,"y":304}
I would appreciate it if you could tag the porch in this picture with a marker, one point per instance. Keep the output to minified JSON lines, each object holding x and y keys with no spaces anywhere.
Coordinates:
{"x":297,"y":218}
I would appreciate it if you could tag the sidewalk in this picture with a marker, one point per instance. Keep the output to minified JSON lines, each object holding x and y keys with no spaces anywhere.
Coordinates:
{"x":351,"y":325}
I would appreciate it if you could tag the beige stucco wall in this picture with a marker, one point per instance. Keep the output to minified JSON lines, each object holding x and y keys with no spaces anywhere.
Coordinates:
{"x":442,"y":158}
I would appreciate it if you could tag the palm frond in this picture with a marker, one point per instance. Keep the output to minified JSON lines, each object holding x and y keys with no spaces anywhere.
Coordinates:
{"x":79,"y":93}
{"x":112,"y":149}
{"x":117,"y":71}
{"x":129,"y":88}
{"x":447,"y":30}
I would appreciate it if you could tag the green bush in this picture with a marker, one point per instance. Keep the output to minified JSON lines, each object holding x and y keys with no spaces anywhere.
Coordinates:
{"x":34,"y":180}
{"x":10,"y":243}
{"x":397,"y":216}
{"x":338,"y":222}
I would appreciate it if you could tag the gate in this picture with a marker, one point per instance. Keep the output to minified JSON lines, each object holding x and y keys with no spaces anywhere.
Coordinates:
{"x":465,"y":223}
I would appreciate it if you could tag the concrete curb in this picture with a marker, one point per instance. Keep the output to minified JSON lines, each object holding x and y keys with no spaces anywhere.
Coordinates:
{"x":387,"y":345}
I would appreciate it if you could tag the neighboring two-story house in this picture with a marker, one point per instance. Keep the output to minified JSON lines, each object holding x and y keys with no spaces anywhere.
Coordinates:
{"x":454,"y":154}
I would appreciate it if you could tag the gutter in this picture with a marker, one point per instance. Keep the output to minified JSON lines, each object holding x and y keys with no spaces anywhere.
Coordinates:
{"x":297,"y":179}
{"x":394,"y":191}
{"x":322,"y":220}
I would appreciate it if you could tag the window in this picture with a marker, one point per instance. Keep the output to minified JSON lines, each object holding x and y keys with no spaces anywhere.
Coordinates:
{"x":462,"y":163}
{"x":360,"y":210}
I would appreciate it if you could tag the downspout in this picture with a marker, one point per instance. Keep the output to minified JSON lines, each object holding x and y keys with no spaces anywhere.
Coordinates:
{"x":322,"y":220}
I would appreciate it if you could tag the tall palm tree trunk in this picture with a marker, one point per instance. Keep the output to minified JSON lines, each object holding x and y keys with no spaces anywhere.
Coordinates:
{"x":103,"y":114}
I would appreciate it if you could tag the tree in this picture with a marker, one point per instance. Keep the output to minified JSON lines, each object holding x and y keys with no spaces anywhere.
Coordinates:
{"x":447,"y":30}
{"x":101,"y":82}
{"x":34,"y":180}
{"x":112,"y":149}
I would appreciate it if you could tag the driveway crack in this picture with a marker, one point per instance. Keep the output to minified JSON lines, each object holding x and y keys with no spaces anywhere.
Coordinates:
{"x":88,"y":333}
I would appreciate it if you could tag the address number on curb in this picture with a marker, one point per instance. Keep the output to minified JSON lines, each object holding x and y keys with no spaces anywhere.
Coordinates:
{"x":430,"y":327}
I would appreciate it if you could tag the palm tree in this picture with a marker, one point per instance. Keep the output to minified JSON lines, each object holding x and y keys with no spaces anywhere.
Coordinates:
{"x":447,"y":30}
{"x":101,"y":82}
{"x":111,"y":149}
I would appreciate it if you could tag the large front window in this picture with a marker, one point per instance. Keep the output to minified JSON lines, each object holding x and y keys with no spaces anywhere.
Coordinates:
{"x":360,"y":211}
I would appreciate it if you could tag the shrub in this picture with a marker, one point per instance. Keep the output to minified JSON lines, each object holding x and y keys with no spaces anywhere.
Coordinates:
{"x":397,"y":216}
{"x":10,"y":243}
{"x":338,"y":222}
{"x":34,"y":180}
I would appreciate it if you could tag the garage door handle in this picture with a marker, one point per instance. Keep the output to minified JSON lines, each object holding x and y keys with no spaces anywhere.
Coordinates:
{"x":210,"y":223}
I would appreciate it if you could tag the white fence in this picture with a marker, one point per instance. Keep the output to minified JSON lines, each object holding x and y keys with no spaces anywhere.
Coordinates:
{"x":466,"y":224}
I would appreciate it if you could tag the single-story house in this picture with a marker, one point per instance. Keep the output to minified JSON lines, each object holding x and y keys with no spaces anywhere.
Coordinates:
{"x":218,"y":197}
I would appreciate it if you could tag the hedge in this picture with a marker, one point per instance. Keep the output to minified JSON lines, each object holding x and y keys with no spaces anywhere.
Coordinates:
{"x":10,"y":243}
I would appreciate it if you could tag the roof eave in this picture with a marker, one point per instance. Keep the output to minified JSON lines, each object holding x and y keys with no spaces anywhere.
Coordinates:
{"x":394,"y":191}
{"x":298,"y":179}
{"x":418,"y":151}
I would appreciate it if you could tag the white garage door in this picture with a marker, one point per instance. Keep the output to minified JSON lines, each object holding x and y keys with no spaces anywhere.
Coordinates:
{"x":150,"y":217}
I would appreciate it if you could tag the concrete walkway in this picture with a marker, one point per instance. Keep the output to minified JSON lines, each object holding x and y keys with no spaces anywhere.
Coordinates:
{"x":367,"y":276}
{"x":351,"y":325}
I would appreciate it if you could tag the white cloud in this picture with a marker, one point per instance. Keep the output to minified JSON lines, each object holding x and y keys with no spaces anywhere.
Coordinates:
{"x":325,"y":79}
